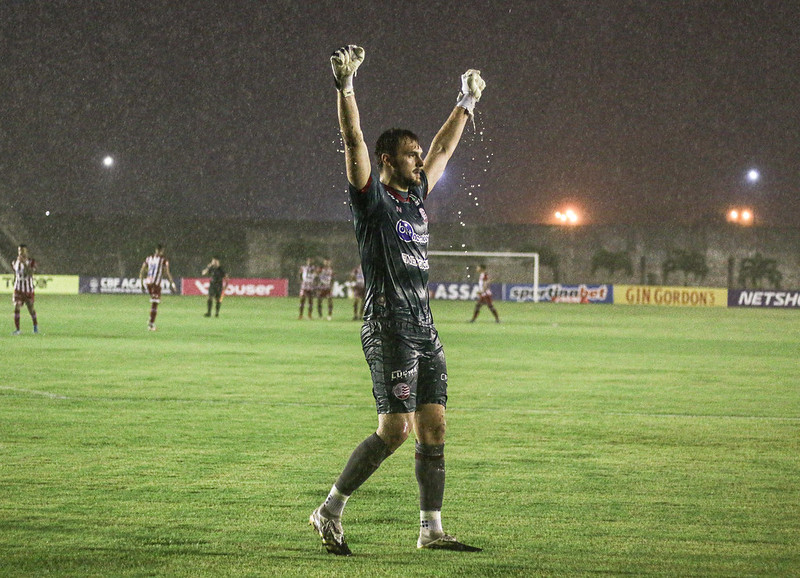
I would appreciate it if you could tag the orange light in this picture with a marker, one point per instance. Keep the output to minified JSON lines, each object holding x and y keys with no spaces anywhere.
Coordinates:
{"x":567,"y":217}
{"x":741,"y":216}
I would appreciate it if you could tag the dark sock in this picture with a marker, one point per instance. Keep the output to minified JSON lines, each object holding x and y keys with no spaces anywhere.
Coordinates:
{"x":429,"y":467}
{"x":363,"y":462}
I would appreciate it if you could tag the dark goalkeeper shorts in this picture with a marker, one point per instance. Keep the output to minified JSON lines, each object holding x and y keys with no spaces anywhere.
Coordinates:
{"x":407,"y":365}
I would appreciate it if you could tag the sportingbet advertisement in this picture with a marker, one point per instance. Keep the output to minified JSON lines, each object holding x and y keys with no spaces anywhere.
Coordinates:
{"x":522,"y":292}
{"x":558,"y":293}
{"x":238,"y":287}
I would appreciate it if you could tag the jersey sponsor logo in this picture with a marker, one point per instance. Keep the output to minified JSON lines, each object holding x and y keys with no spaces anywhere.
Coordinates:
{"x":403,"y":374}
{"x":415,"y":261}
{"x":401,"y":391}
{"x":406,"y":233}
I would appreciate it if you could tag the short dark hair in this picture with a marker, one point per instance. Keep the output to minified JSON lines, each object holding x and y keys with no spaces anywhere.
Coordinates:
{"x":22,"y":246}
{"x":390,"y":140}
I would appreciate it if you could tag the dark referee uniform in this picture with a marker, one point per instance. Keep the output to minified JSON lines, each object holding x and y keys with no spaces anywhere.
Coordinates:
{"x":400,"y":342}
{"x":217,"y":275}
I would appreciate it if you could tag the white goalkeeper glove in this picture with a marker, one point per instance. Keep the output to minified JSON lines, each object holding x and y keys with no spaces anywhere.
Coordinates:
{"x":472,"y":86}
{"x":345,"y":63}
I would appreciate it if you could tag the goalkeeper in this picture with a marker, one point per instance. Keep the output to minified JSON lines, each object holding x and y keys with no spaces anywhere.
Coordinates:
{"x":400,"y":342}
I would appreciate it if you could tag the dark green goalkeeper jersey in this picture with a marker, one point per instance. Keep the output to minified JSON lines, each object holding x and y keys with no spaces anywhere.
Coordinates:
{"x":392,"y":233}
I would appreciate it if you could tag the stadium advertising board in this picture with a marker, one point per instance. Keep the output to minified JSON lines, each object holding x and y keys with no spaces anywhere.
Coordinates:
{"x":45,"y":284}
{"x":558,"y":293}
{"x":120,"y":285}
{"x":460,"y":291}
{"x":764,"y":298}
{"x":670,"y":296}
{"x":238,"y":287}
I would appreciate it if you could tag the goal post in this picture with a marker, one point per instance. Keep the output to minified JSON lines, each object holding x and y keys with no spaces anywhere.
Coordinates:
{"x":498,"y":255}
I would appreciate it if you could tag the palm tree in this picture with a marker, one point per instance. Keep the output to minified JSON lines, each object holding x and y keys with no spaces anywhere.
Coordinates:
{"x":612,"y":262}
{"x":757,"y":268}
{"x":691,"y":263}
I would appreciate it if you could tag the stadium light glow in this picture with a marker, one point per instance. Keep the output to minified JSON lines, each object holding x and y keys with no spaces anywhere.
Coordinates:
{"x":567,"y":217}
{"x":741,"y":216}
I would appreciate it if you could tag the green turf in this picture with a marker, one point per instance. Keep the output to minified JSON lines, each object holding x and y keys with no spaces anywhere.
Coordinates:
{"x":581,"y":440}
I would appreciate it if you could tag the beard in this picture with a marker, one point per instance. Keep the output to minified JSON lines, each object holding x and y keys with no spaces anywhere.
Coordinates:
{"x":410,"y":180}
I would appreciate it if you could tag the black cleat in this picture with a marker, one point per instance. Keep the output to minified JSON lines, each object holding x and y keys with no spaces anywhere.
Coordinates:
{"x":330,"y":530}
{"x":446,"y":542}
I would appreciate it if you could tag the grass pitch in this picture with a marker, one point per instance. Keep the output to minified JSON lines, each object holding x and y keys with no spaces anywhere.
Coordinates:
{"x":581,"y":440}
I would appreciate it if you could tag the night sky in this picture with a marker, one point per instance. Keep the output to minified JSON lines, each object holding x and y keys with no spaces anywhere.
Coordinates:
{"x":633,"y":111}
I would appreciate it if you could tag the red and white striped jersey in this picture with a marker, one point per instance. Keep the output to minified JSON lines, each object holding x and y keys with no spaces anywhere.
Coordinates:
{"x":308,"y":276}
{"x":483,"y":284}
{"x":23,"y":274}
{"x":325,"y":278}
{"x":155,"y":268}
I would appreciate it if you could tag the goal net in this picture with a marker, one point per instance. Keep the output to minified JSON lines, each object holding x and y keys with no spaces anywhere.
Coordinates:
{"x":503,"y":267}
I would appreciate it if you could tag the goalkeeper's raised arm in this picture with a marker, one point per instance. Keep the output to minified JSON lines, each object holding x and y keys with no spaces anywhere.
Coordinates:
{"x":446,"y":140}
{"x":345,"y":63}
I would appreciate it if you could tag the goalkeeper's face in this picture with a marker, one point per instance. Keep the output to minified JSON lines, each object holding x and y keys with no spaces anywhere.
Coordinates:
{"x":406,"y":165}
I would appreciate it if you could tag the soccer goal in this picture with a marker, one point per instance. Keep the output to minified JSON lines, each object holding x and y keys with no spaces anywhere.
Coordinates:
{"x":494,"y":256}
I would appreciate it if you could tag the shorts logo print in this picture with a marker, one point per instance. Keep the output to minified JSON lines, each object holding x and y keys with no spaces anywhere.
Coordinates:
{"x":401,"y":391}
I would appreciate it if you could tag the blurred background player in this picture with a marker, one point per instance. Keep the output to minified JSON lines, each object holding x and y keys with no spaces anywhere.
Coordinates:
{"x":24,"y":268}
{"x":308,"y":277}
{"x":357,"y":280}
{"x":484,"y":295}
{"x":325,"y":287}
{"x":155,"y":267}
{"x":216,"y":285}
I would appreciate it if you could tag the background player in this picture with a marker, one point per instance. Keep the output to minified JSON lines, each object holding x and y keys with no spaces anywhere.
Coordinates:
{"x":216,"y":285}
{"x":155,"y":267}
{"x":308,"y":279}
{"x":325,"y":287}
{"x":484,"y":295}
{"x":24,"y":267}
{"x":400,"y":343}
{"x":357,"y":280}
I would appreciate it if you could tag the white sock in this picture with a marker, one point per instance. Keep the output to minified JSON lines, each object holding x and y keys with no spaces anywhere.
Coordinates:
{"x":430,"y":522}
{"x":335,"y":502}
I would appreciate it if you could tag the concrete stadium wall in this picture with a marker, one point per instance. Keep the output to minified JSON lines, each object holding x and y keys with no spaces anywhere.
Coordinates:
{"x":116,"y":246}
{"x":283,"y":247}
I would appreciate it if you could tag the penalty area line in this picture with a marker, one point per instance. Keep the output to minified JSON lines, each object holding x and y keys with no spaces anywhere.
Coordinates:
{"x":34,"y":392}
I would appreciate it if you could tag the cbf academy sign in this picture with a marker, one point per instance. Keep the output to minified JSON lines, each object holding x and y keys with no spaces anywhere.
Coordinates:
{"x":120,"y":285}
